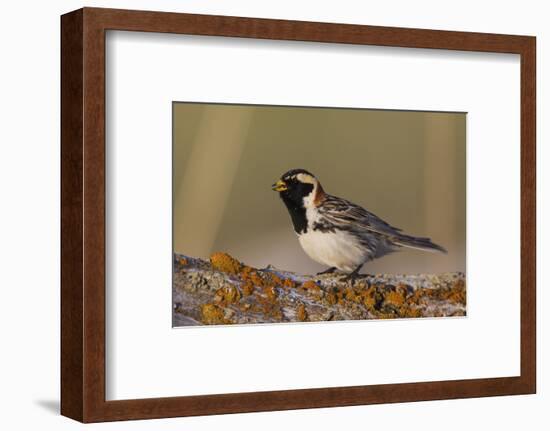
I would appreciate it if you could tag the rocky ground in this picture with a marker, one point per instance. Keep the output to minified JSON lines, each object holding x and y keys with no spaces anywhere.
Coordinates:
{"x":226,"y":291}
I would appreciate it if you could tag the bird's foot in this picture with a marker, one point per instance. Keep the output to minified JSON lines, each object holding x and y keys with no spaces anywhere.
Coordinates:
{"x":327,"y":271}
{"x":353,"y":275}
{"x":352,"y":278}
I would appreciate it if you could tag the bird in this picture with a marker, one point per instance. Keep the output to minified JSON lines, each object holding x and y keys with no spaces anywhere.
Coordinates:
{"x":336,"y":232}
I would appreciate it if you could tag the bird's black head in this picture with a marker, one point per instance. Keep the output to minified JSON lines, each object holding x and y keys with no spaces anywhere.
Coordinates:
{"x":295,"y":185}
{"x":298,"y":189}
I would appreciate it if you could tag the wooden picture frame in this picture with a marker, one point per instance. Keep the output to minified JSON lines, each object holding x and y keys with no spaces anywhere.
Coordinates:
{"x":83,"y":214}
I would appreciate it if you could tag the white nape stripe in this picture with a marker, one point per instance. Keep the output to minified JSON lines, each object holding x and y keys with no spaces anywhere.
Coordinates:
{"x":305,"y":178}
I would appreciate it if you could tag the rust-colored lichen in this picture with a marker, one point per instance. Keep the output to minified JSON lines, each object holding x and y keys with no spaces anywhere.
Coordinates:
{"x":225,"y":263}
{"x":276,"y":313}
{"x":409,"y":312}
{"x":301,"y":313}
{"x":247,"y":288}
{"x":312,"y":289}
{"x":419,"y":296}
{"x":331,"y":298}
{"x":394,"y":298}
{"x":289,"y":283}
{"x":270,"y":293}
{"x":211,"y":314}
{"x":228,"y":295}
{"x":250,"y":274}
{"x":457,"y":293}
{"x":276,"y":279}
{"x":340,"y":296}
{"x":183,"y":261}
{"x":353,"y":295}
{"x":310,"y":285}
{"x":369,"y":297}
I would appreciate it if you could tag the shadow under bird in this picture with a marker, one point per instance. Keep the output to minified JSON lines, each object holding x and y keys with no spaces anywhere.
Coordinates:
{"x":336,"y":232}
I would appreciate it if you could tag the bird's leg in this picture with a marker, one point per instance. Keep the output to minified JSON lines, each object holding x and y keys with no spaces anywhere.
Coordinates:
{"x":327,"y":271}
{"x":353,"y":275}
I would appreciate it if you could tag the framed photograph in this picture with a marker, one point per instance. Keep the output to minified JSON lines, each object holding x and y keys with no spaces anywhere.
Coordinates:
{"x":244,"y":256}
{"x":266,"y":215}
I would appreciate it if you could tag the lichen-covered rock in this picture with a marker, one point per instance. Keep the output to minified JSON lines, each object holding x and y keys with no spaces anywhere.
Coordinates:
{"x":226,"y":291}
{"x":225,"y":263}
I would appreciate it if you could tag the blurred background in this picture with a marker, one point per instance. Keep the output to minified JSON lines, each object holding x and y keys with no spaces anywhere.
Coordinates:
{"x":407,"y":167}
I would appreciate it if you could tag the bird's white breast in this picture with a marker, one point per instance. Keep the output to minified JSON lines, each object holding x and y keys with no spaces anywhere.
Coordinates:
{"x":338,"y":249}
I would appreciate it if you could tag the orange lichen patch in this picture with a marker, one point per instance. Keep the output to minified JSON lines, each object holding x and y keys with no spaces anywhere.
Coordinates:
{"x":276,"y":279}
{"x":456,"y":296}
{"x":225,"y":263}
{"x":419,"y":296}
{"x":211,"y":314}
{"x":269,"y":306}
{"x":183,"y":261}
{"x":270,"y":293}
{"x":276,"y":313}
{"x":313,"y":289}
{"x":352,"y":295}
{"x":301,"y":313}
{"x":267,"y":301}
{"x":340,"y":296}
{"x":410,"y":312}
{"x":369,"y":297}
{"x":251,"y":307}
{"x":332,"y":298}
{"x":457,"y":293}
{"x":250,"y":274}
{"x":246,"y":271}
{"x":227,"y":294}
{"x":310,"y":285}
{"x":247,"y":288}
{"x":395,"y":298}
{"x":288,"y":283}
{"x":256,"y":279}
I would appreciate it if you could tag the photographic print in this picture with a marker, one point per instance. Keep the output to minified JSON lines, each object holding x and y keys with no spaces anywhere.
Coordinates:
{"x":309,"y":214}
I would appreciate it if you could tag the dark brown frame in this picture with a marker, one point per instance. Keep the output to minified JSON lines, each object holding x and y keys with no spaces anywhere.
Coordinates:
{"x":83,"y":214}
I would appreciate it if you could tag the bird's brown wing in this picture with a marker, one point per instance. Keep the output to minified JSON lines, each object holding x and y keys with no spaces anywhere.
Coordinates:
{"x":348,"y":216}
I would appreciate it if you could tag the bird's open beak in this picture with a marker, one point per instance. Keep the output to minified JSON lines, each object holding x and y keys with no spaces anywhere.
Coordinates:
{"x":279,"y":186}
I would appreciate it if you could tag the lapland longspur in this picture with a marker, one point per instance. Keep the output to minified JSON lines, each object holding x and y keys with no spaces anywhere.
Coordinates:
{"x":336,"y":232}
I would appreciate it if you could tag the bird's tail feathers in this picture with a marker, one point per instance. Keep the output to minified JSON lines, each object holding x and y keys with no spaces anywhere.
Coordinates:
{"x":424,"y":244}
